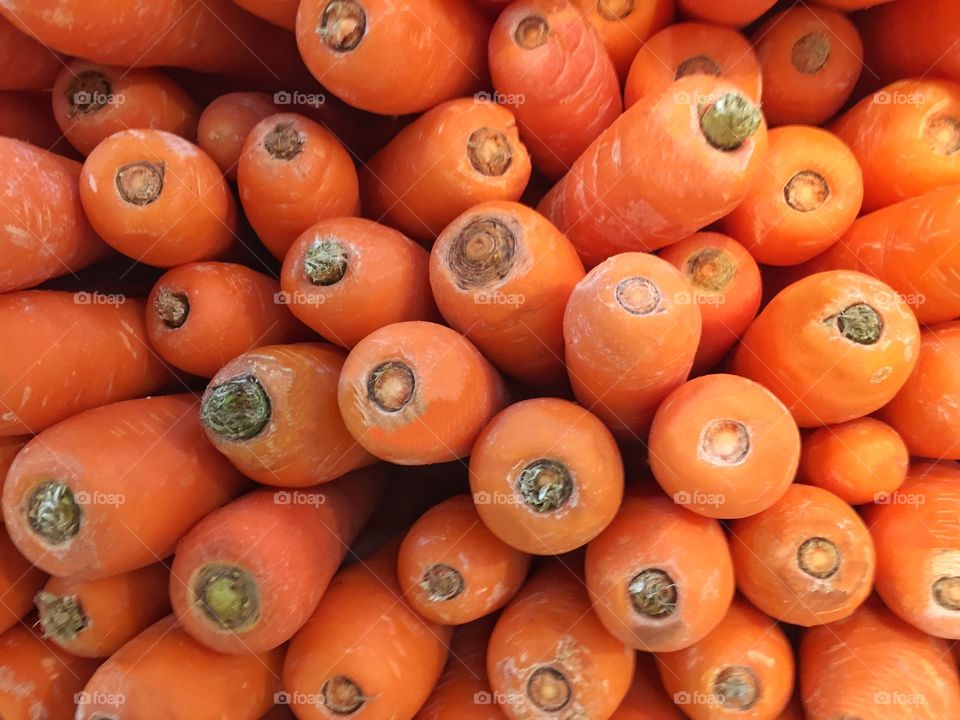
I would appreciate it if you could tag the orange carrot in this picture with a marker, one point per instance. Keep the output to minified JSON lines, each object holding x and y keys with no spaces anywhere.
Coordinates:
{"x":502,"y":275}
{"x":19,"y":582}
{"x":95,"y":618}
{"x":9,"y":447}
{"x":453,"y":570}
{"x":28,"y":117}
{"x":225,"y":124}
{"x":282,"y":13}
{"x":77,"y":509}
{"x":647,"y":699}
{"x":732,"y":12}
{"x":25,"y":64}
{"x":454,"y":156}
{"x":852,"y":4}
{"x":624,"y":26}
{"x":157,"y":198}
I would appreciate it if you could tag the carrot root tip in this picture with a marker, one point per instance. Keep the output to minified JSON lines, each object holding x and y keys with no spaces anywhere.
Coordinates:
{"x":228,"y":595}
{"x":89,"y":91}
{"x":482,"y":253}
{"x":53,"y":513}
{"x":811,"y":52}
{"x":859,"y":323}
{"x":172,"y":307}
{"x":325,"y":262}
{"x":549,"y":690}
{"x":141,"y":183}
{"x":489,"y":152}
{"x":531,"y":32}
{"x":943,"y":132}
{"x":946,"y":592}
{"x":729,"y":121}
{"x":342,"y":696}
{"x":653,"y":593}
{"x":818,"y":557}
{"x":342,"y":25}
{"x":615,"y":9}
{"x":698,"y":65}
{"x":711,"y":269}
{"x":724,"y":442}
{"x":284,"y":141}
{"x":391,"y":385}
{"x":806,"y":191}
{"x":638,"y":296}
{"x":442,"y":583}
{"x":545,"y":485}
{"x":738,"y":686}
{"x":238,"y":409}
{"x":61,"y":616}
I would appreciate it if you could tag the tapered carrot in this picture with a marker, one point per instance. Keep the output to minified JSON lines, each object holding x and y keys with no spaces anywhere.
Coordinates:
{"x":546,"y":56}
{"x":27,"y":116}
{"x":292,"y":173}
{"x":157,"y":198}
{"x":860,"y":461}
{"x":734,"y":12}
{"x":742,"y":669}
{"x":624,"y":26}
{"x":546,"y":476}
{"x":25,"y":64}
{"x":95,"y":618}
{"x":19,"y":582}
{"x":549,"y":656}
{"x":725,"y":285}
{"x":454,"y":156}
{"x":282,"y":13}
{"x":807,"y":560}
{"x":351,"y":48}
{"x":692,"y":48}
{"x":202,"y":315}
{"x":137,"y":680}
{"x":225,"y":124}
{"x":502,"y":274}
{"x":914,"y":123}
{"x":76,"y":508}
{"x":43,"y":230}
{"x":811,"y":59}
{"x":273,"y":412}
{"x":647,"y":699}
{"x":631,"y":332}
{"x":453,"y":570}
{"x":416,"y":393}
{"x":617,"y":197}
{"x":833,"y":346}
{"x":100,"y":338}
{"x":364,"y":651}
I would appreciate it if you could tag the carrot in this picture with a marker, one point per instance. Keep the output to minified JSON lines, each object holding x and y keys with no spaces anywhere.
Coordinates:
{"x":19,"y":581}
{"x":202,"y":315}
{"x":808,"y":559}
{"x":724,"y":446}
{"x":102,"y":356}
{"x":811,"y":59}
{"x":9,"y":447}
{"x":453,"y":570}
{"x":934,"y":470}
{"x":163,"y":672}
{"x":25,"y":64}
{"x":282,"y":13}
{"x":157,"y":198}
{"x":78,"y":509}
{"x":926,"y":411}
{"x":549,"y":656}
{"x":873,"y":665}
{"x":27,"y":116}
{"x":502,"y":275}
{"x":660,"y":577}
{"x":833,"y":346}
{"x":352,"y":48}
{"x":95,"y":618}
{"x":631,"y":332}
{"x":40,"y":680}
{"x":624,"y":26}
{"x":616,"y":198}
{"x":249,"y":575}
{"x":292,"y":173}
{"x":733,"y":12}
{"x":692,"y":48}
{"x":43,"y":231}
{"x":364,"y":650}
{"x":852,"y":4}
{"x":859,"y":461}
{"x":742,"y":669}
{"x":647,"y":699}
{"x":416,"y":393}
{"x":453,"y":157}
{"x":551,"y":66}
{"x":912,"y":123}
{"x":225,"y":124}
{"x":725,"y":285}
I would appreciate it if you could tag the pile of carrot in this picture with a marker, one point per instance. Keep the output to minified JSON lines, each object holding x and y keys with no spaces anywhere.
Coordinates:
{"x":479,"y":360}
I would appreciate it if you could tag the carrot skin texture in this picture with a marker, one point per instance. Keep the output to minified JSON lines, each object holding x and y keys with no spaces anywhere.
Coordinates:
{"x":27,"y":116}
{"x":19,"y":582}
{"x":226,"y":122}
{"x":25,"y":63}
{"x":647,"y":699}
{"x":624,"y":34}
{"x":9,"y":447}
{"x":735,"y":12}
{"x":282,"y":13}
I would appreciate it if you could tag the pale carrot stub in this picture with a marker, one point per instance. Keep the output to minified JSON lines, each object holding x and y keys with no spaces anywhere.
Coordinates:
{"x":546,"y":476}
{"x":19,"y":582}
{"x":416,"y":393}
{"x":625,"y":25}
{"x":502,"y":274}
{"x":225,"y":123}
{"x":460,"y":153}
{"x":273,"y":413}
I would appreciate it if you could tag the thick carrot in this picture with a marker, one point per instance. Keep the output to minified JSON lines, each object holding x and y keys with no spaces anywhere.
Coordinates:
{"x":502,"y":274}
{"x":9,"y":447}
{"x":807,"y":560}
{"x":551,"y":66}
{"x":631,"y":332}
{"x":76,"y":508}
{"x":292,"y":173}
{"x":660,"y":577}
{"x":282,"y":13}
{"x":95,"y":618}
{"x":647,"y":699}
{"x":157,"y":198}
{"x":833,"y":346}
{"x":202,"y":315}
{"x":725,"y":285}
{"x":811,"y":59}
{"x":732,"y":12}
{"x":273,"y":412}
{"x":670,"y":165}
{"x":28,"y":117}
{"x":163,"y":672}
{"x":364,"y":650}
{"x":692,"y":48}
{"x":549,"y":656}
{"x":100,"y":339}
{"x":453,"y":570}
{"x":625,"y":25}
{"x":454,"y":156}
{"x":860,"y":461}
{"x":43,"y":230}
{"x":25,"y":64}
{"x":225,"y":124}
{"x":19,"y":582}
{"x":743,"y":669}
{"x":416,"y":393}
{"x":546,"y":476}
{"x":352,"y":48}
